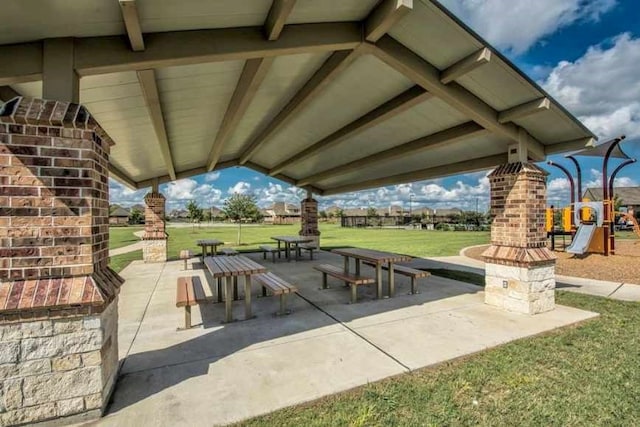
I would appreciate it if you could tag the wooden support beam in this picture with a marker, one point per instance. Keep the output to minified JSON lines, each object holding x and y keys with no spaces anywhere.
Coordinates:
{"x":101,"y":55}
{"x":20,"y":63}
{"x":466,"y":166}
{"x":401,"y":103}
{"x":280,"y":10}
{"x":466,"y":65}
{"x":567,"y":146}
{"x":382,"y":18}
{"x":331,"y":68}
{"x":186,"y":173}
{"x":147,"y":79}
{"x":524,"y":110}
{"x":59,"y":79}
{"x":253,"y":73}
{"x":283,"y":178}
{"x":421,"y":72}
{"x":7,"y":93}
{"x":429,"y":142}
{"x":132,"y":24}
{"x":121,"y":177}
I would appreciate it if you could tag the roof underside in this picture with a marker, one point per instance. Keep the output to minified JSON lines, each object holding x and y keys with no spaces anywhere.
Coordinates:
{"x":350,"y":94}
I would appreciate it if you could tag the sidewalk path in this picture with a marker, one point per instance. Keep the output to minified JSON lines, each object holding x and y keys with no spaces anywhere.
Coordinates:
{"x":602,"y":288}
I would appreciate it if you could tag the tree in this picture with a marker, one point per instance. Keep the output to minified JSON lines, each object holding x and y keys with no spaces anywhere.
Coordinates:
{"x":372,"y":212}
{"x":136,"y":217}
{"x":323,"y":215}
{"x":239,"y":207}
{"x":340,"y":213}
{"x":195,"y":213}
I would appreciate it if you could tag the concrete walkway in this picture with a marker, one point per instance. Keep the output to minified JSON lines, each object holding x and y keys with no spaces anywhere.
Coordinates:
{"x":217,"y":374}
{"x":602,"y":288}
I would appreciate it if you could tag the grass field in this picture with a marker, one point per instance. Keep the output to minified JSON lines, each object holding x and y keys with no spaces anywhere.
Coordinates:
{"x":584,"y":375}
{"x":411,"y":242}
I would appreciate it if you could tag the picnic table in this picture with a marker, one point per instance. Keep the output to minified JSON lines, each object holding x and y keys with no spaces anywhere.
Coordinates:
{"x":288,"y":241}
{"x":225,"y":269}
{"x":209,"y":243}
{"x":377,"y":258}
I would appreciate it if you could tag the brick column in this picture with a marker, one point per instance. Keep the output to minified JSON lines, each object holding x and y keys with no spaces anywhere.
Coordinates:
{"x":58,"y":297}
{"x":309,"y":220}
{"x":520,"y":270}
{"x":154,"y":247}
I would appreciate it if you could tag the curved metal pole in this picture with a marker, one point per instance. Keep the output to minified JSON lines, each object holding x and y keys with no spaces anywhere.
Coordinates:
{"x":608,"y":233}
{"x":578,"y":175}
{"x":571,"y":186}
{"x":615,"y":173}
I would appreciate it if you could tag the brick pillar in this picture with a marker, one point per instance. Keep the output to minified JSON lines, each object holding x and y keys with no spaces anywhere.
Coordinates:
{"x":309,"y":220}
{"x":154,"y":247}
{"x":520,"y":270}
{"x":58,"y":297}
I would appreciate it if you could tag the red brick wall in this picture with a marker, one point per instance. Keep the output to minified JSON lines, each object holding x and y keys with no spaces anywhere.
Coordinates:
{"x":54,"y":209}
{"x":309,"y":218}
{"x":154,"y":225}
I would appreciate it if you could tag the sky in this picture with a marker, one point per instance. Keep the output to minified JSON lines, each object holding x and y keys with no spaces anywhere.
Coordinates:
{"x":585,"y":53}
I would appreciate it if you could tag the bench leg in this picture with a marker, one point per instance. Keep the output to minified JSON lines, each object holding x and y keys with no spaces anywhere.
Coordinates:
{"x":346,"y":269}
{"x":264,"y":255}
{"x":311,"y":254}
{"x":247,"y":297}
{"x":235,"y":288}
{"x":219,"y":290}
{"x":378,"y":281}
{"x":264,"y":291}
{"x":354,"y":293}
{"x":273,"y":256}
{"x":325,"y":285}
{"x":392,"y":283}
{"x":185,"y":263}
{"x":187,"y":317}
{"x":413,"y":286}
{"x":283,"y":305}
{"x":228,"y":301}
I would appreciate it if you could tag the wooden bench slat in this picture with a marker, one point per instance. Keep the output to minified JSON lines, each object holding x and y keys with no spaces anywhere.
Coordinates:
{"x":182,"y":296}
{"x":228,"y":251}
{"x":403,"y":270}
{"x":268,"y":248}
{"x":338,"y":273}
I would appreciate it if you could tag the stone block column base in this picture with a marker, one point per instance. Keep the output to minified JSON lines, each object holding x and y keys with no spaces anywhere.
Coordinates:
{"x":154,"y":250}
{"x":522,"y":287}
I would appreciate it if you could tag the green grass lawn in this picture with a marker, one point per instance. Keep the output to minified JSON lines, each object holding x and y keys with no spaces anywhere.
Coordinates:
{"x":122,"y":236}
{"x":583,"y":375}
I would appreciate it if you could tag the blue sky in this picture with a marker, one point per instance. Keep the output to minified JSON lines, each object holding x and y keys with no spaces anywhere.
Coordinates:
{"x":585,"y":53}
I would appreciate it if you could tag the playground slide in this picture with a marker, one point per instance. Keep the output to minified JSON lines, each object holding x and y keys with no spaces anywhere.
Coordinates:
{"x":581,"y":240}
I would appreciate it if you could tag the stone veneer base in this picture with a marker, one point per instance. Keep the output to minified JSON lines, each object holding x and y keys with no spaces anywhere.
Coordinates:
{"x":526,"y":290}
{"x":154,"y":250}
{"x":59,"y":370}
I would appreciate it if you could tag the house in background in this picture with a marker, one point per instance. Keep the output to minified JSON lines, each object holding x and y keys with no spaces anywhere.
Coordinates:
{"x":282,"y":213}
{"x":629,"y":196}
{"x":119,"y":216}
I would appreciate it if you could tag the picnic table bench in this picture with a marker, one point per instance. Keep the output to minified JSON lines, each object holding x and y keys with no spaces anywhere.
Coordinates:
{"x":353,"y":280}
{"x":277,"y":286}
{"x":228,"y":251}
{"x":189,"y":293}
{"x":206,"y":244}
{"x":307,"y":247}
{"x":403,"y":270}
{"x":268,"y":249}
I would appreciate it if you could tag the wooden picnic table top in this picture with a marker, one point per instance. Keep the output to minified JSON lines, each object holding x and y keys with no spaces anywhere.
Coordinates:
{"x":240,"y":265}
{"x":209,"y":242}
{"x":377,"y":257}
{"x":292,"y":239}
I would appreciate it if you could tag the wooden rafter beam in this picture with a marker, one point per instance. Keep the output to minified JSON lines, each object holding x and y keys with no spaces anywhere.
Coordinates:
{"x":132,"y":24}
{"x":7,"y":93}
{"x":282,"y":177}
{"x":429,"y":142}
{"x":465,"y":65}
{"x":253,"y":73}
{"x":186,"y":173}
{"x":523,"y":110}
{"x":122,"y":177}
{"x":423,"y":73}
{"x":147,"y":79}
{"x":382,"y":18}
{"x":280,"y":10}
{"x":466,"y":166}
{"x":331,"y":68}
{"x":395,"y":106}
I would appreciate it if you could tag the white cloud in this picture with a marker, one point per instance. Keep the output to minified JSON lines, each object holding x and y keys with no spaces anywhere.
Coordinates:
{"x":212,"y":176}
{"x":516,"y":25}
{"x":124,"y":196}
{"x":602,"y":87}
{"x":240,"y":187}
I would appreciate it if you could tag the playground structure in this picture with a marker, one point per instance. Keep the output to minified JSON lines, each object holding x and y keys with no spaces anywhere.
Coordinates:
{"x":591,"y":224}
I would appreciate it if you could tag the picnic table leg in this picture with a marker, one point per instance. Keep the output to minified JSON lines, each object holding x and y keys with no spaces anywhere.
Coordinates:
{"x":392,"y":284}
{"x":235,"y":288}
{"x":378,"y":280}
{"x":354,"y":293}
{"x":219,"y":286}
{"x":228,"y":301}
{"x":187,"y":317}
{"x":357,"y":266}
{"x":247,"y":297}
{"x":346,"y":269}
{"x":287,"y":249}
{"x":279,"y":249}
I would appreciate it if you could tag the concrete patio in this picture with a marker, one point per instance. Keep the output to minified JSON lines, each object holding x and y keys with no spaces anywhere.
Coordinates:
{"x":217,"y":374}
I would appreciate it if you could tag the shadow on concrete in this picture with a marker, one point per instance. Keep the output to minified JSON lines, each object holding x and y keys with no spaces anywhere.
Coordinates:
{"x":316,"y":312}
